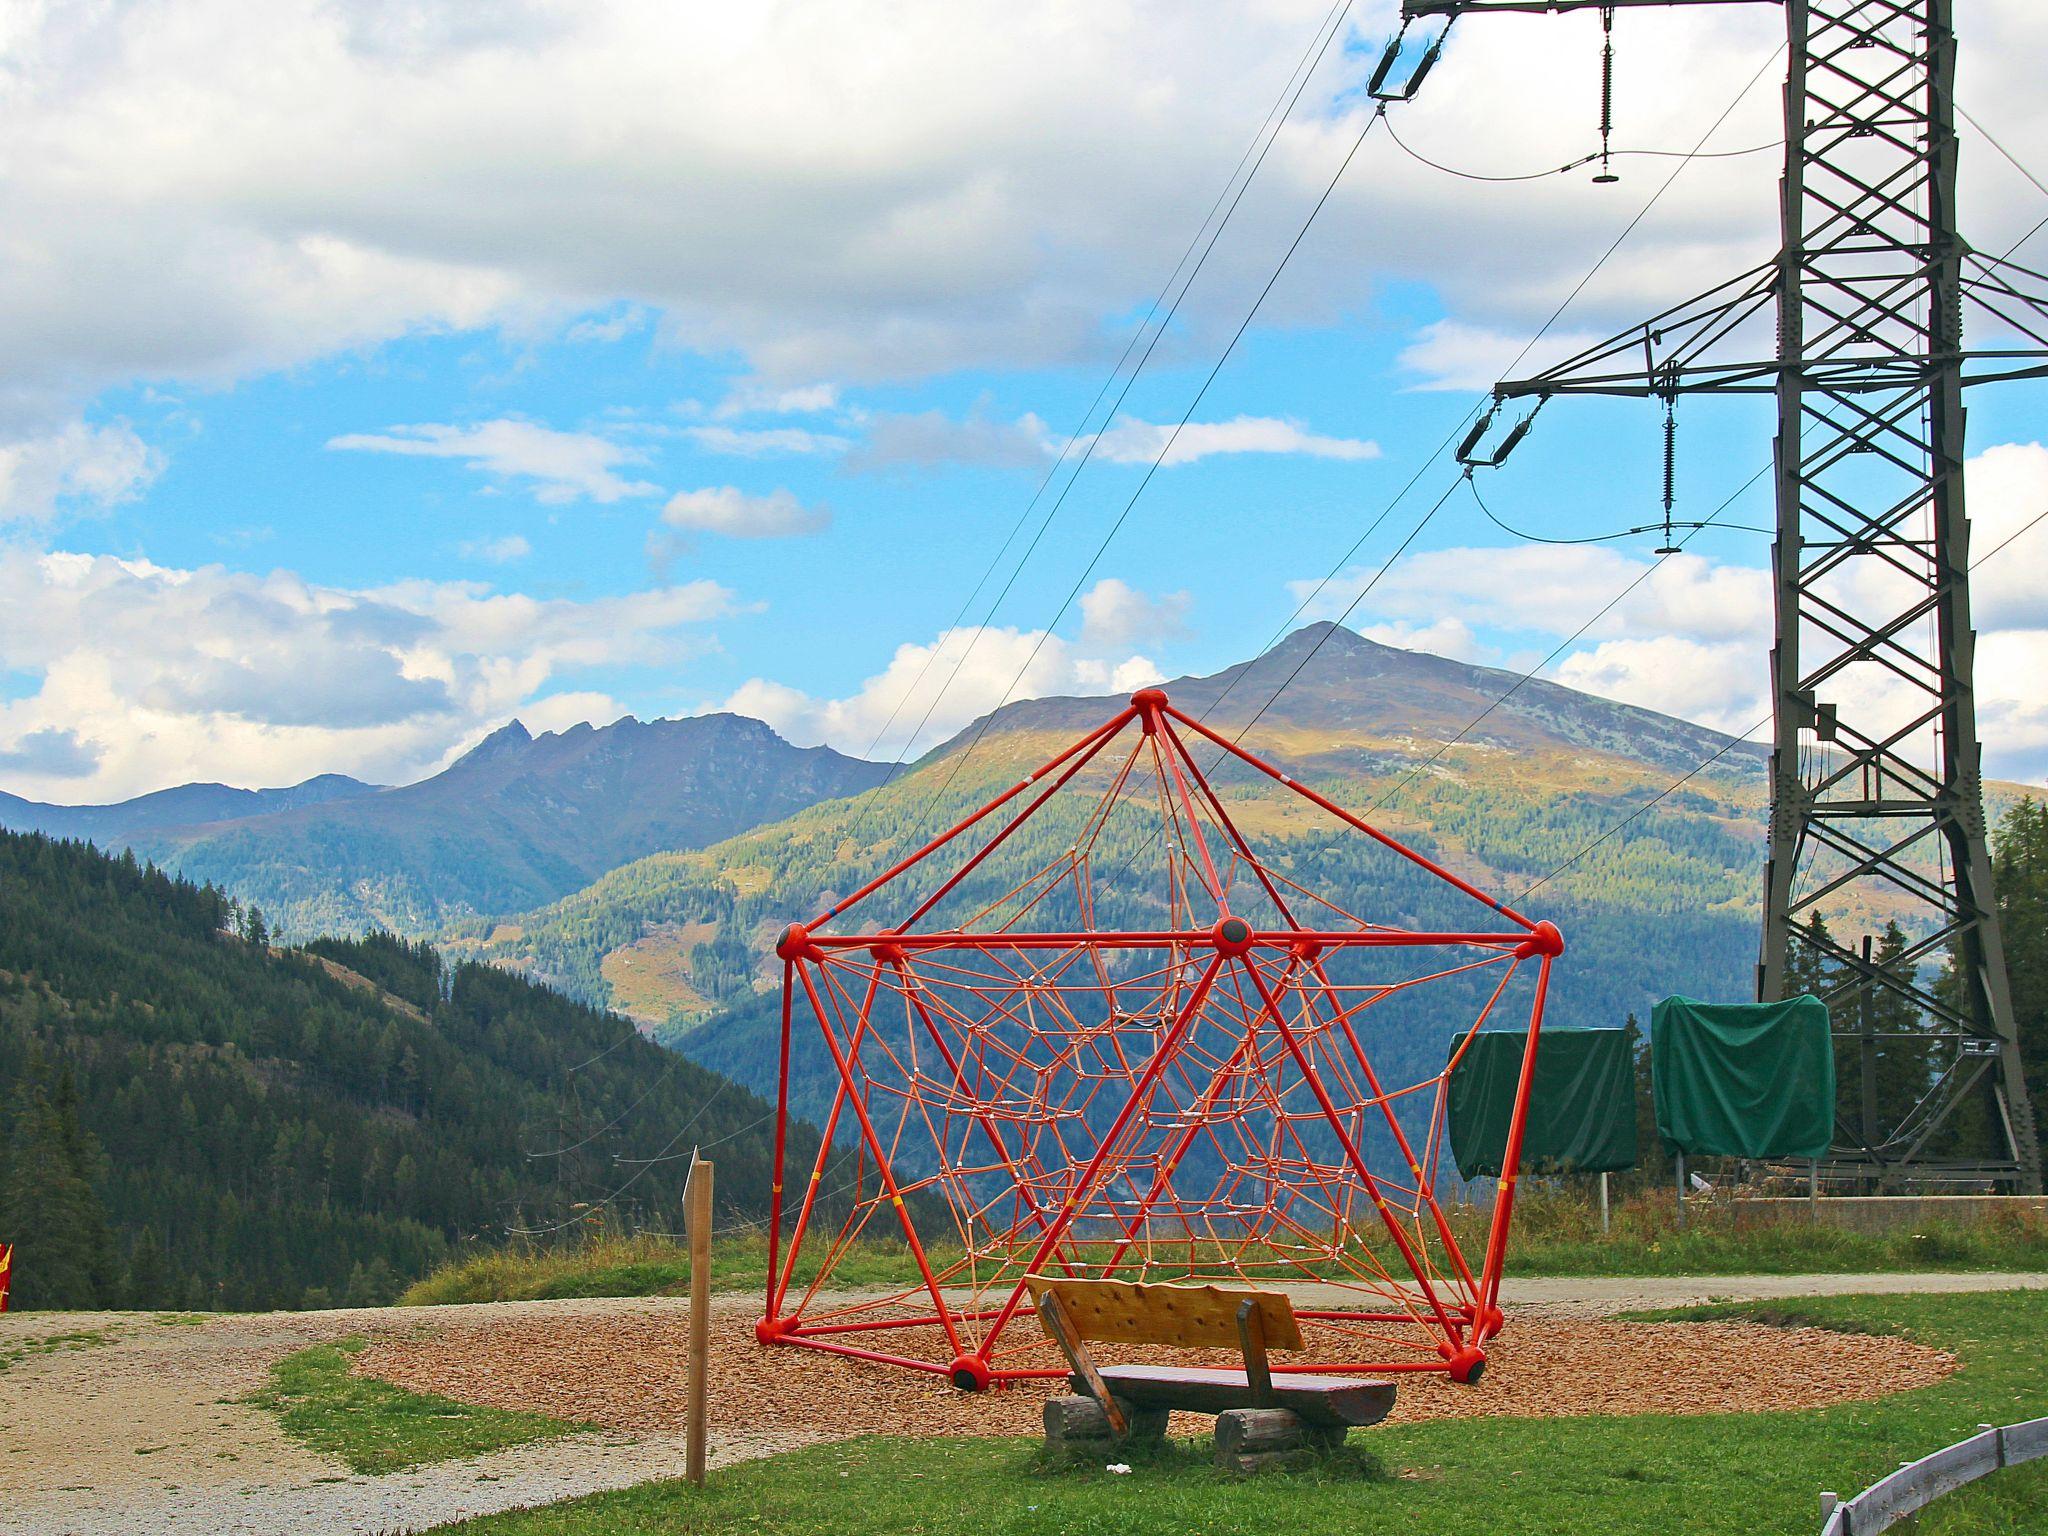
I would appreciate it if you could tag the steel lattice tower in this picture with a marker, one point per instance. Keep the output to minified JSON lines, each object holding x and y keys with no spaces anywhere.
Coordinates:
{"x":1876,"y":779}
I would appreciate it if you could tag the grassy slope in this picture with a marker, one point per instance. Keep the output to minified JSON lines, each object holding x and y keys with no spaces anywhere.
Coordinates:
{"x":376,"y":1427}
{"x":1555,"y":1235}
{"x":1711,"y":1475}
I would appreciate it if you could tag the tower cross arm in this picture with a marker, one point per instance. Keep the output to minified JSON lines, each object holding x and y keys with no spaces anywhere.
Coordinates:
{"x":1415,"y":10}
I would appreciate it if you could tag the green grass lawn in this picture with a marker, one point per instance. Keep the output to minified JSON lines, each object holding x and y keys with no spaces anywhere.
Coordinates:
{"x":1555,"y":1234}
{"x":1711,"y":1475}
{"x":376,"y":1427}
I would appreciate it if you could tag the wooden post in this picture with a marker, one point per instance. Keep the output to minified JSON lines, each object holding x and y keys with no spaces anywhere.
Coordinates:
{"x":697,"y":1206}
{"x":1251,"y":1336}
{"x":1603,"y":1202}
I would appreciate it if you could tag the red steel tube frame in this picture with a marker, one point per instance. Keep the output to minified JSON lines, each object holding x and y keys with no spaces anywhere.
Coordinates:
{"x":1463,"y":1324}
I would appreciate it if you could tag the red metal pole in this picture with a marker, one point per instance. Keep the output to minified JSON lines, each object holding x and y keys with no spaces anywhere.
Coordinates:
{"x":773,"y":1301}
{"x":1348,"y":819}
{"x":1107,"y":728}
{"x":1002,"y":837}
{"x":1140,"y":1091}
{"x":882,"y":1168}
{"x":803,"y":1216}
{"x":1372,"y":1188}
{"x":1511,"y":1161}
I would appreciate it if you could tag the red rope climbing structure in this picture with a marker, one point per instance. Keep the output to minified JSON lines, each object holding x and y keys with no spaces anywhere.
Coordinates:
{"x":1196,"y":1097}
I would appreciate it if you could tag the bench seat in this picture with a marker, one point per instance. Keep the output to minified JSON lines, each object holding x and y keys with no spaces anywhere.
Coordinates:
{"x":1325,"y":1400}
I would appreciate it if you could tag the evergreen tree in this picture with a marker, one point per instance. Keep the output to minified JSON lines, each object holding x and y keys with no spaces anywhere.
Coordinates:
{"x":1653,"y":1166}
{"x":148,"y":1286}
{"x":49,"y":1208}
{"x":2020,"y":874}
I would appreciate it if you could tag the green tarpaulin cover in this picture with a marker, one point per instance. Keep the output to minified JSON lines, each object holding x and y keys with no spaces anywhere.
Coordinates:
{"x":1743,"y":1079}
{"x":1582,"y":1112}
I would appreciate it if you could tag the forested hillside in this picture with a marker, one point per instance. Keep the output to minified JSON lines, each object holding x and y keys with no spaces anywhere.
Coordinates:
{"x":189,"y":1118}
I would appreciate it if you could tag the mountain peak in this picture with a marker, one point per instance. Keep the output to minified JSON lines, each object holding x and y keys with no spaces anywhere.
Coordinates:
{"x":507,"y":738}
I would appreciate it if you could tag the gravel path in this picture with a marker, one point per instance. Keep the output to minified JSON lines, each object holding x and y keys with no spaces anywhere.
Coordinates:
{"x":139,"y":1434}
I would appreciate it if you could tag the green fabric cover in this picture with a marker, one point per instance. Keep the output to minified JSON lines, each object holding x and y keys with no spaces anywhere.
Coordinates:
{"x":1744,"y":1079}
{"x":1582,"y":1112}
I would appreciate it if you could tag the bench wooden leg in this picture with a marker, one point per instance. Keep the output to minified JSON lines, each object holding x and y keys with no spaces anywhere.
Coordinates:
{"x":1255,"y":1439}
{"x":1078,"y":1423}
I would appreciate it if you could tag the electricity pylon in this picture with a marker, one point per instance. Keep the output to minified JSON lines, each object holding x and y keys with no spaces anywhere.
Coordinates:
{"x":1877,"y":805}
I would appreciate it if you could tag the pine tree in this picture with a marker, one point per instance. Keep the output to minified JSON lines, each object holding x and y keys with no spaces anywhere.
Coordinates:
{"x":2020,"y":874}
{"x":63,"y":1251}
{"x":148,"y":1286}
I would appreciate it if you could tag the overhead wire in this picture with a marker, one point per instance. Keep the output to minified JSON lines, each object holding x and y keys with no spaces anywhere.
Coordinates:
{"x":961,"y":758}
{"x":1572,"y":165}
{"x":1734,"y":741}
{"x":1556,"y":314}
{"x":1262,"y":141}
{"x":1344,"y":560}
{"x":1599,"y":538}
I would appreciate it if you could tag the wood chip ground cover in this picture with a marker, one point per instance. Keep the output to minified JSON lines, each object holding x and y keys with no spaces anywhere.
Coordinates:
{"x":627,"y":1373}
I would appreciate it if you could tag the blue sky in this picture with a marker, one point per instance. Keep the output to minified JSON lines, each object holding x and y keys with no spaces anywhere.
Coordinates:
{"x":377,"y":379}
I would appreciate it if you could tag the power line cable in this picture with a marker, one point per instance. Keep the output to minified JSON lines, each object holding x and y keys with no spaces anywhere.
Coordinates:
{"x":1527,"y":347}
{"x":1262,"y":142}
{"x":1572,"y":165}
{"x":1730,"y":745}
{"x":1165,"y":449}
{"x":1603,"y":538}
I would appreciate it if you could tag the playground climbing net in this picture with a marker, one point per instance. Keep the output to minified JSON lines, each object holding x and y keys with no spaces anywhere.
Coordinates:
{"x":1100,"y":1035}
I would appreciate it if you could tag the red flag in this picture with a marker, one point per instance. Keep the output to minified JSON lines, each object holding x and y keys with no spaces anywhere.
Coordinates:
{"x":6,"y":1271}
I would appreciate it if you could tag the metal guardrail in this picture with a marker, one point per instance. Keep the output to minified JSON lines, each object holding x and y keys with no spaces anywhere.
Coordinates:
{"x":1919,"y":1483}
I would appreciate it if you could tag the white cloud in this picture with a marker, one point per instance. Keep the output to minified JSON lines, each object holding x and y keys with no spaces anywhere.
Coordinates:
{"x":500,"y":551}
{"x":1450,"y":637}
{"x":604,"y":330}
{"x":727,"y":510}
{"x":756,"y":397}
{"x":755,"y":442}
{"x":1721,"y":684}
{"x":1140,"y":442}
{"x":76,"y":466}
{"x":563,"y":466}
{"x":959,"y":676}
{"x":922,"y":439}
{"x":1693,"y":637}
{"x":170,"y":675}
{"x":49,"y":753}
{"x":202,"y":188}
{"x":1114,"y":613}
{"x":1451,"y":354}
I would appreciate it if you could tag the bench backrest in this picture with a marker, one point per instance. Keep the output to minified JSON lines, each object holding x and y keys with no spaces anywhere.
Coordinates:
{"x":1190,"y":1316}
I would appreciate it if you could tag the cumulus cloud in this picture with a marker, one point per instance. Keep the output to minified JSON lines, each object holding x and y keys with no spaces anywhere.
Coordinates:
{"x":1451,"y":637}
{"x":758,"y":397}
{"x":1130,"y":441}
{"x":74,"y":467}
{"x":755,"y":442}
{"x":1692,"y":635}
{"x":499,"y":551}
{"x":1115,"y":613}
{"x":159,"y":675}
{"x":561,"y":466}
{"x":1452,"y":354}
{"x":727,"y":510}
{"x":336,"y":177}
{"x":49,"y":753}
{"x":959,"y":676}
{"x":924,"y":439}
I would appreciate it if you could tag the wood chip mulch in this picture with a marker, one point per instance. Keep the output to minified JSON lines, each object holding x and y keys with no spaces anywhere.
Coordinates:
{"x":627,"y":1373}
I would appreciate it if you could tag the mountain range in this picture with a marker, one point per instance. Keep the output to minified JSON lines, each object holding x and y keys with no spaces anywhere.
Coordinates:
{"x":645,"y":865}
{"x":518,"y":821}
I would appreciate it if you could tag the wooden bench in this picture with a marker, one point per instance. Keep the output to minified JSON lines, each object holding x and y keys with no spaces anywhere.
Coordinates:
{"x":1261,"y":1419}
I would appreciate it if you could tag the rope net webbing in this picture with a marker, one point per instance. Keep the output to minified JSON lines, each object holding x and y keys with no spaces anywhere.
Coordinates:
{"x":1182,"y":1064}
